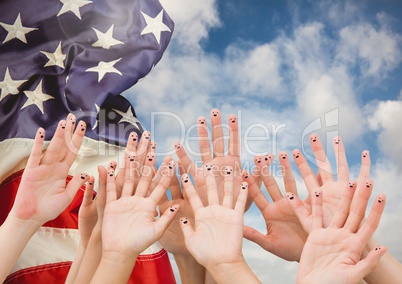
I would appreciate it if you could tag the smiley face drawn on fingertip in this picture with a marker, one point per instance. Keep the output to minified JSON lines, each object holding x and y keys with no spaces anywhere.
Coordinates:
{"x":177,"y":146}
{"x":317,"y":194}
{"x":284,"y":156}
{"x":42,"y":134}
{"x":184,"y":178}
{"x":84,"y":176}
{"x":313,"y":138}
{"x":215,"y":112}
{"x":134,"y":136}
{"x":208,"y":167}
{"x":365,"y":154}
{"x":258,"y":160}
{"x":232,"y":119}
{"x":244,"y":185}
{"x":90,"y":183}
{"x":147,"y":135}
{"x":291,"y":196}
{"x":184,"y":220}
{"x":72,"y":119}
{"x":296,"y":154}
{"x":378,"y":248}
{"x":268,"y":157}
{"x":245,"y":175}
{"x":153,"y":145}
{"x":83,"y":126}
{"x":172,"y":209}
{"x":171,"y":164}
{"x":111,"y":165}
{"x":150,"y":157}
{"x":351,"y":184}
{"x":110,"y":173}
{"x":63,"y":125}
{"x":228,"y":170}
{"x":337,"y":140}
{"x":380,"y":200}
{"x":132,"y":157}
{"x":368,"y":184}
{"x":201,"y":120}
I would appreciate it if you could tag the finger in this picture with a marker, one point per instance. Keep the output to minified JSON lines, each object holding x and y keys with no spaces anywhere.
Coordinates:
{"x":307,"y":174}
{"x":359,"y":204}
{"x":166,"y":219}
{"x":367,"y":230}
{"x":203,"y":140}
{"x":130,"y":150}
{"x":268,"y":179}
{"x":342,"y":212}
{"x":75,"y":143}
{"x":129,"y":180}
{"x":257,"y":237}
{"x":288,"y":177}
{"x":145,"y":181}
{"x":187,"y":229}
{"x":212,"y":190}
{"x":316,"y":210}
{"x":323,"y":164}
{"x":185,"y":160}
{"x":53,"y":153}
{"x":234,"y":141}
{"x":341,"y":161}
{"x":152,"y":146}
{"x":68,"y":135}
{"x":75,"y":184}
{"x":175,"y":188}
{"x":300,"y":210}
{"x":36,"y":152}
{"x":240,"y":205}
{"x":142,"y":150}
{"x":218,"y":144}
{"x":101,"y":195}
{"x":110,"y":187}
{"x":88,"y":194}
{"x":191,"y":193}
{"x":365,"y":167}
{"x":255,"y":192}
{"x":368,"y":264}
{"x":160,"y":190}
{"x":228,"y":188}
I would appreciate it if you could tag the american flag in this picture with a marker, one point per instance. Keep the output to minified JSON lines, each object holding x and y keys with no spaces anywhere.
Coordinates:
{"x":78,"y":56}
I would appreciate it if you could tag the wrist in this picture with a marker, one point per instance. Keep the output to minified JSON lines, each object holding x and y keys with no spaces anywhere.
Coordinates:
{"x":190,"y":270}
{"x":233,"y":272}
{"x":28,"y":226}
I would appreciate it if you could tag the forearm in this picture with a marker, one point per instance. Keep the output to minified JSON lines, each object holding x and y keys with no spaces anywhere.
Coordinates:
{"x":233,"y":273}
{"x":72,"y":273}
{"x":191,"y":272}
{"x":388,"y":269}
{"x":91,"y":258}
{"x":114,"y":270}
{"x":14,"y":235}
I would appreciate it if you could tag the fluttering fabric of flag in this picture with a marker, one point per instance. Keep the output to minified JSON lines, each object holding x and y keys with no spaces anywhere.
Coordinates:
{"x":78,"y":56}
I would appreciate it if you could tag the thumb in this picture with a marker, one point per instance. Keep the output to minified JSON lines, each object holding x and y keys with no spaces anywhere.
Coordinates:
{"x":257,"y":237}
{"x":366,"y":265}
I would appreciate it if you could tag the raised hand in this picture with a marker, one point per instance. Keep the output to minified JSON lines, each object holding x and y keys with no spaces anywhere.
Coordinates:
{"x":215,"y":241}
{"x":216,"y":159}
{"x":285,"y":235}
{"x":332,"y":254}
{"x":325,"y":181}
{"x":43,"y":193}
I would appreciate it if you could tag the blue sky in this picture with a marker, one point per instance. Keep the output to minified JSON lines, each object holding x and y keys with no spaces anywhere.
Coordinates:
{"x":285,"y":65}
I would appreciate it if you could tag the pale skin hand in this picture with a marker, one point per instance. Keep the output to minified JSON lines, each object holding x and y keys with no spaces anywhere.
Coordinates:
{"x":332,"y":254}
{"x":285,"y":235}
{"x":217,"y":159}
{"x":216,"y":240}
{"x":43,"y":193}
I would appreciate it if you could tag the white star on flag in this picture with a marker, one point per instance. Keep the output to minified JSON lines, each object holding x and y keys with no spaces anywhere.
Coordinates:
{"x":106,"y":40}
{"x":36,"y":97}
{"x":128,"y":117}
{"x":16,"y":30}
{"x":56,"y":58}
{"x":9,"y":86}
{"x":73,"y":6}
{"x":155,"y":26}
{"x":104,"y":67}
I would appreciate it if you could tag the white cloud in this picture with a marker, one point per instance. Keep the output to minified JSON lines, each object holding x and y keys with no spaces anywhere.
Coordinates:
{"x":378,"y":49}
{"x":386,"y":120}
{"x":193,"y":20}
